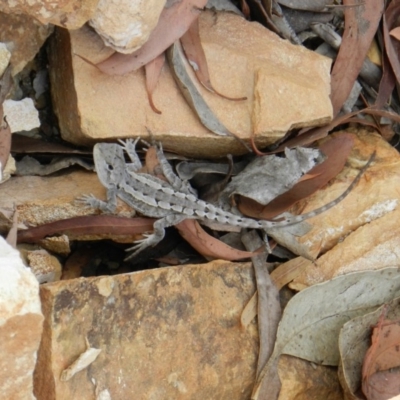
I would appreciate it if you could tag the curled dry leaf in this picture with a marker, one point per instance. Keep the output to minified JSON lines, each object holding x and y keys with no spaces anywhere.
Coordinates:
{"x":336,"y":150}
{"x":269,"y":308}
{"x":312,"y":319}
{"x":87,"y":225}
{"x":183,"y":75}
{"x":152,"y":71}
{"x":193,"y":49}
{"x":173,"y":23}
{"x":314,"y":134}
{"x":395,"y":33}
{"x":361,"y":24}
{"x":209,"y":246}
{"x":378,"y":382}
{"x":354,"y":342}
{"x":267,"y":177}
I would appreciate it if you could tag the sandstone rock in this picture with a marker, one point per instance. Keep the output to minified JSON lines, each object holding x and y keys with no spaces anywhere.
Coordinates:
{"x":361,"y":232}
{"x":24,"y":37}
{"x":171,"y":333}
{"x":286,"y":86}
{"x":20,"y":325}
{"x":5,"y":56}
{"x":302,"y":379}
{"x":21,"y":115}
{"x":46,"y":199}
{"x":44,"y":266}
{"x":126,"y":25}
{"x":71,"y":14}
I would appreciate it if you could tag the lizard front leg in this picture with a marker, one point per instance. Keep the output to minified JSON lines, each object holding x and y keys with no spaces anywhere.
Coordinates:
{"x":108,"y":206}
{"x":129,"y":146}
{"x":158,"y":234}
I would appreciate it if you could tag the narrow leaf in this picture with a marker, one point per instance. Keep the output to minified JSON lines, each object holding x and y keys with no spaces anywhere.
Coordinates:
{"x":173,"y":23}
{"x":312,"y":319}
{"x":153,"y":71}
{"x":190,"y":90}
{"x":87,"y":225}
{"x":361,"y":24}
{"x":193,"y":49}
{"x":209,"y":246}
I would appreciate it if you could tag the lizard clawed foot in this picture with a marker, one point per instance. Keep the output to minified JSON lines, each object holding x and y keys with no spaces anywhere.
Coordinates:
{"x":88,"y":200}
{"x":149,"y":240}
{"x":129,"y":145}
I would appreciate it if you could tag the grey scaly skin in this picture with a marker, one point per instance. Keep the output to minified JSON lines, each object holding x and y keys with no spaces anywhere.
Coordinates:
{"x":172,"y":201}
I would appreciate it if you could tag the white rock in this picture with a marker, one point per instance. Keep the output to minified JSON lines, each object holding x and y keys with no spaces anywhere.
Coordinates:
{"x":20,"y":324}
{"x":21,"y":115}
{"x":125,"y":25}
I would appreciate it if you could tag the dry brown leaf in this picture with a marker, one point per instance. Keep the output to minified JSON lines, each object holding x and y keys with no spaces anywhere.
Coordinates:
{"x":378,"y":383}
{"x":209,"y":246}
{"x":337,"y":150}
{"x":392,"y":47}
{"x":88,"y":225}
{"x":268,"y":305}
{"x":361,"y":24}
{"x":314,"y":134}
{"x":395,"y":33}
{"x":173,"y":23}
{"x":196,"y":57}
{"x":152,"y":72}
{"x":387,"y":83}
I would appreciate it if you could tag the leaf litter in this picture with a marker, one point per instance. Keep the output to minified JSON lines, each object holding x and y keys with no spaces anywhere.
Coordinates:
{"x":309,"y":328}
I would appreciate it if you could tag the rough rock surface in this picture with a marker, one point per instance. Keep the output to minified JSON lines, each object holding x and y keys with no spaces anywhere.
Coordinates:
{"x":20,"y":325}
{"x":171,"y":333}
{"x":71,"y":14}
{"x":286,"y":86}
{"x":125,"y":25}
{"x":24,"y":37}
{"x":5,"y":56}
{"x":361,"y":232}
{"x":21,"y":115}
{"x":46,"y":199}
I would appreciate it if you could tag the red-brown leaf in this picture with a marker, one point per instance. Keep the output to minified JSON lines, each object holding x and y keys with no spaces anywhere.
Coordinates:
{"x":377,"y":382}
{"x":207,"y":245}
{"x":152,"y":71}
{"x":194,"y":52}
{"x":336,"y":149}
{"x":173,"y":23}
{"x":88,"y":225}
{"x":361,"y":23}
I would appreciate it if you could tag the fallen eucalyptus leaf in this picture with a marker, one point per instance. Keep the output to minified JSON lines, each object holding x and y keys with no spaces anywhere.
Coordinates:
{"x":269,"y":308}
{"x":30,"y":166}
{"x":354,"y":341}
{"x":189,"y":87}
{"x":312,"y":319}
{"x":267,"y":177}
{"x":173,"y":23}
{"x":152,"y":72}
{"x":196,"y":57}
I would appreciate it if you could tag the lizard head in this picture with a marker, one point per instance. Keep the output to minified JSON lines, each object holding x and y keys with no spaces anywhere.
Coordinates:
{"x":110,"y":163}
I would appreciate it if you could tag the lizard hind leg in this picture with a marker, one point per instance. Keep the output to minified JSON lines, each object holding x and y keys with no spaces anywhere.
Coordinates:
{"x":158,"y":234}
